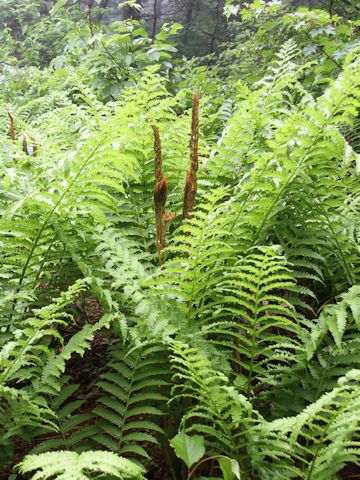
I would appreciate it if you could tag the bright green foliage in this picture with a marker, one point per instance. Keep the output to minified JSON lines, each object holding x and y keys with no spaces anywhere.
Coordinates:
{"x":296,"y":173}
{"x":220,"y":413}
{"x":240,"y":342}
{"x":322,"y":437}
{"x":65,"y":465}
{"x":258,"y":112}
{"x":130,"y":408}
{"x":197,"y":258}
{"x":257,"y":324}
{"x":115,"y":55}
{"x":72,"y":425}
{"x":189,"y":449}
{"x":323,"y":37}
{"x":229,"y":468}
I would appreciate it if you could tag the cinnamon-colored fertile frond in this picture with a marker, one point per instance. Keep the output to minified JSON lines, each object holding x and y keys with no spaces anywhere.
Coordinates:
{"x":158,"y":154}
{"x":194,"y":139}
{"x":160,"y":196}
{"x":189,"y":193}
{"x":25,"y":145}
{"x":160,"y":193}
{"x":190,"y":188}
{"x":12,"y":127}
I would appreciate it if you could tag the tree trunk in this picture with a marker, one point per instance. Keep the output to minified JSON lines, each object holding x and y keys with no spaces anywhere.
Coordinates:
{"x":156,"y":17}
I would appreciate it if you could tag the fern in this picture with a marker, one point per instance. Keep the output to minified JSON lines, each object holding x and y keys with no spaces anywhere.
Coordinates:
{"x":27,"y":349}
{"x":124,"y":271}
{"x":66,"y":465}
{"x":285,"y":173}
{"x":152,"y":97}
{"x":259,"y":112}
{"x":216,"y":409}
{"x":330,"y":350}
{"x":236,"y":336}
{"x":128,"y":411}
{"x":315,"y":444}
{"x":352,"y":134}
{"x":199,"y":255}
{"x":257,"y":320}
{"x":78,"y":343}
{"x":22,"y":401}
{"x":72,"y":425}
{"x":320,"y":440}
{"x":30,"y":237}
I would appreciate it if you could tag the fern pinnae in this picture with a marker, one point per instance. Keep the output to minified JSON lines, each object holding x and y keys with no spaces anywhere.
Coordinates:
{"x":126,"y":418}
{"x":49,"y":216}
{"x":67,"y":465}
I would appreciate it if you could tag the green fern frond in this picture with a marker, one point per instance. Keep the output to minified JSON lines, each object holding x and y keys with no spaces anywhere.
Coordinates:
{"x":258,"y":113}
{"x":198,"y":255}
{"x":127,"y":411}
{"x":27,"y":349}
{"x":78,"y":343}
{"x":72,"y":425}
{"x":22,"y":399}
{"x":288,"y":172}
{"x":330,"y":349}
{"x":125,"y":270}
{"x":263,"y":329}
{"x":66,"y":465}
{"x":322,"y":438}
{"x":218,"y":411}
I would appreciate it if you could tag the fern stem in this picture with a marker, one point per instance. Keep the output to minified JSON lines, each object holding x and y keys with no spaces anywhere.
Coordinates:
{"x":201,"y":462}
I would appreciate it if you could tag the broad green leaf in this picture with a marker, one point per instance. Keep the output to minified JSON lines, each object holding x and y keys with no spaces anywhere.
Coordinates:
{"x":189,"y":449}
{"x":230,"y":468}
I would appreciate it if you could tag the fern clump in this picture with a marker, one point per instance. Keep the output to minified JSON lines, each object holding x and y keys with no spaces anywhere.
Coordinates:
{"x":180,"y":257}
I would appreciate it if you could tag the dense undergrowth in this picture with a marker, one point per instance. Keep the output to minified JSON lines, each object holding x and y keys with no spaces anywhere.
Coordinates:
{"x":180,"y":271}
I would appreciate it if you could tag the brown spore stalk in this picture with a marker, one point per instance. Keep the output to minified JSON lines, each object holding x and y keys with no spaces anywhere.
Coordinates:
{"x":33,"y":151}
{"x":12,"y":127}
{"x":25,"y":145}
{"x":190,"y":188}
